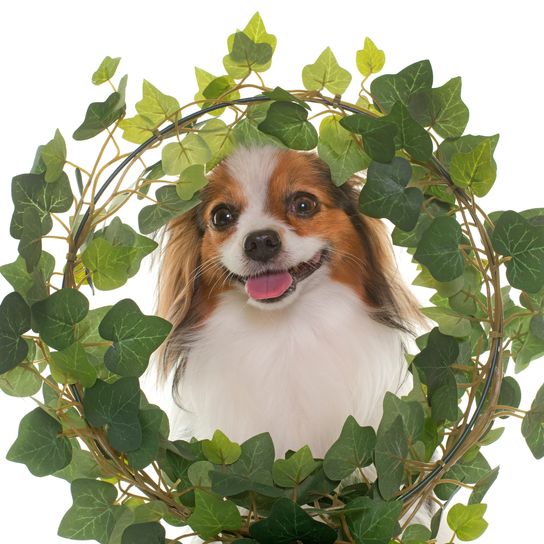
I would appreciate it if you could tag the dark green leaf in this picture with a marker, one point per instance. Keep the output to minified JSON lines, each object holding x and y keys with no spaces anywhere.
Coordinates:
{"x":93,"y":513}
{"x":135,"y":337}
{"x":390,"y":453}
{"x":71,"y":365}
{"x":246,"y":52}
{"x":441,"y":109}
{"x":14,"y":321}
{"x":54,"y":318}
{"x":289,"y":523}
{"x":391,"y":88}
{"x":40,"y":444}
{"x":288,"y":122}
{"x":30,"y":246}
{"x":532,"y":427}
{"x":116,"y":405}
{"x":213,"y":514}
{"x":247,"y":132}
{"x":510,"y":394}
{"x":515,"y":237}
{"x":150,"y":421}
{"x":151,"y":532}
{"x":416,"y":534}
{"x":411,"y":136}
{"x":482,"y":486}
{"x":438,"y":249}
{"x":22,"y":381}
{"x":373,"y":521}
{"x":385,"y":194}
{"x":53,"y":156}
{"x":351,"y":451}
{"x":378,"y":135}
{"x":465,"y":144}
{"x":435,"y":361}
{"x":411,"y":413}
{"x":282,"y":95}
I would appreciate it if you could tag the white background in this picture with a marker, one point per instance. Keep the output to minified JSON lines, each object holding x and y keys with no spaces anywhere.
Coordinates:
{"x":49,"y":50}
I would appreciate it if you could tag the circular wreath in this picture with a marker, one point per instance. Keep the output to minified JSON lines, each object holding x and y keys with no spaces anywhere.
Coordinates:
{"x":94,"y":426}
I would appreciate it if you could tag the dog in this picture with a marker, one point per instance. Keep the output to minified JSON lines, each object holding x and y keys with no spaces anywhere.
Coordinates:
{"x":288,"y":310}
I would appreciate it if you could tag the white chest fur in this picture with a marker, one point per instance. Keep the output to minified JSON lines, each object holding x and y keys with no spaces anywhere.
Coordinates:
{"x":296,"y":372}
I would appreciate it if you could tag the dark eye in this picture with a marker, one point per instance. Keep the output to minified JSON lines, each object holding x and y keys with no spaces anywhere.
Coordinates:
{"x":304,"y":205}
{"x":223,"y":216}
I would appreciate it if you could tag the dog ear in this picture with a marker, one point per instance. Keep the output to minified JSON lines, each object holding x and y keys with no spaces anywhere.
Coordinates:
{"x":178,"y":287}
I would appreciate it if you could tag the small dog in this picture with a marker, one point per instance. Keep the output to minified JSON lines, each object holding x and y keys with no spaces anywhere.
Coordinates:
{"x":288,"y":311}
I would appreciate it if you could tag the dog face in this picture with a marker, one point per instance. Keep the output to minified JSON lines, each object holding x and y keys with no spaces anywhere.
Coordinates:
{"x":272,"y":225}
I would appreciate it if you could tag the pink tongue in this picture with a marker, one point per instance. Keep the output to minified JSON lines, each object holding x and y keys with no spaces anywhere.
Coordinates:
{"x":268,"y":285}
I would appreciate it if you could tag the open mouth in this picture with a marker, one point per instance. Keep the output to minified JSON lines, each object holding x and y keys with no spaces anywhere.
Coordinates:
{"x":274,"y":285}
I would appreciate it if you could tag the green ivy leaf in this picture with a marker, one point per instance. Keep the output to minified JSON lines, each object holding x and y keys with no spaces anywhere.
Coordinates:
{"x":288,"y":523}
{"x":475,"y":169}
{"x":351,"y":451}
{"x":137,"y":514}
{"x":169,"y":206}
{"x":532,"y":427}
{"x":441,"y":109}
{"x":116,"y":405}
{"x":100,"y":115}
{"x":137,"y":129}
{"x":31,"y":191}
{"x":288,"y":122}
{"x":435,"y":361}
{"x":389,"y":456}
{"x":212,"y":514}
{"x":191,"y":180}
{"x":93,"y":512}
{"x":438,"y":249}
{"x":410,"y":412}
{"x":219,"y":138}
{"x":135,"y":337}
{"x":326,"y":73}
{"x":106,"y":70}
{"x":373,"y":521}
{"x":281,"y":95}
{"x":199,"y":474}
{"x":411,"y":136}
{"x":465,"y":144}
{"x":82,"y":465}
{"x":378,"y":135}
{"x":30,"y":285}
{"x":467,"y":522}
{"x":30,"y":246}
{"x":178,"y":156}
{"x":339,"y":149}
{"x":14,"y":321}
{"x":212,"y":87}
{"x":53,"y":156}
{"x":71,"y":365}
{"x":150,"y":421}
{"x":391,"y":88}
{"x":292,"y":471}
{"x":416,"y":534}
{"x":54,"y":317}
{"x":370,"y":59}
{"x":385,"y":194}
{"x":246,"y":132}
{"x":220,"y":450}
{"x":151,"y":532}
{"x":156,"y":106}
{"x":246,"y":52}
{"x":482,"y":486}
{"x":515,"y":237}
{"x":40,"y":444}
{"x":21,"y":381}
{"x":510,"y":393}
{"x":449,"y":322}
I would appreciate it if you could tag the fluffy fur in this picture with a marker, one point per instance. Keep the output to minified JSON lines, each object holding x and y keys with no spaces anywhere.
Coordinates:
{"x":298,"y":366}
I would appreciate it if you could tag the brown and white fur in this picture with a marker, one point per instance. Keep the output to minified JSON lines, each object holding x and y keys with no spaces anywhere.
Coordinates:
{"x":299,"y":365}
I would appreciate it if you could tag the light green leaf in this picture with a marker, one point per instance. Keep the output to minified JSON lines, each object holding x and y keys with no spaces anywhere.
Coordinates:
{"x":449,"y":322}
{"x":416,"y":534}
{"x":106,"y":70}
{"x":54,"y":317}
{"x":191,"y":180}
{"x":219,"y":138}
{"x":199,"y":474}
{"x":441,"y":109}
{"x":467,"y":521}
{"x":54,"y":156}
{"x":475,"y":169}
{"x":351,"y":451}
{"x":135,"y":337}
{"x":391,"y":88}
{"x":82,"y":465}
{"x":220,"y":450}
{"x":465,"y":144}
{"x":292,"y":471}
{"x":178,"y":156}
{"x":212,"y":514}
{"x":156,"y":106}
{"x":40,"y":444}
{"x":116,"y":405}
{"x":370,"y":59}
{"x":137,"y":129}
{"x":340,"y":150}
{"x":326,"y":73}
{"x":93,"y":513}
{"x":246,"y":132}
{"x":515,"y":237}
{"x":288,"y":122}
{"x":21,"y":381}
{"x":439,"y":251}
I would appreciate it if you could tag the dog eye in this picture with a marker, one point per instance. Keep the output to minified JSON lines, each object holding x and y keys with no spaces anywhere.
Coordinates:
{"x":304,"y":205}
{"x":222,"y":217}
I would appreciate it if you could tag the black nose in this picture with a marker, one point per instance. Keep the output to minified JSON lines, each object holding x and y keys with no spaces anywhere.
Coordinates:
{"x":262,"y":245}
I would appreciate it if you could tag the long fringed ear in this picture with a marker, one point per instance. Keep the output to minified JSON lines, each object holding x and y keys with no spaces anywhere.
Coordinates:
{"x":178,"y":285}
